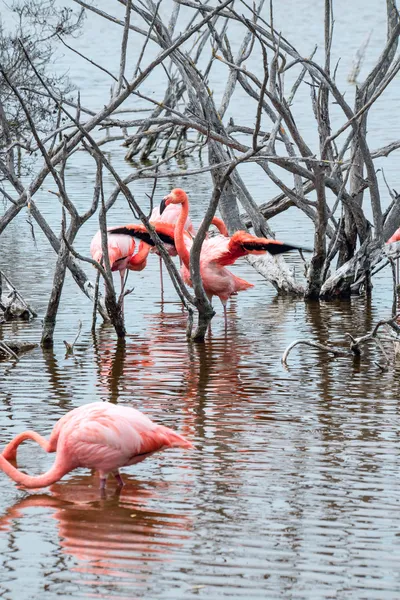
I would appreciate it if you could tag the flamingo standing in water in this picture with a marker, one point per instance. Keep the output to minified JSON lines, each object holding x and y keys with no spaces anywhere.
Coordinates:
{"x":121,"y":253}
{"x":121,"y":248}
{"x":170,"y":216}
{"x":100,"y":436}
{"x":216,"y":252}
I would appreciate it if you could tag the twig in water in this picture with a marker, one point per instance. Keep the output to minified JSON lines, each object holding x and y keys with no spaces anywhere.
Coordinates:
{"x":17,"y":294}
{"x":70,"y":347}
{"x":7,"y":350}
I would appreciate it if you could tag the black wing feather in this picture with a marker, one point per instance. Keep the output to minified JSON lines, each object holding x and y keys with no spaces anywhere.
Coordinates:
{"x":273,"y":248}
{"x":143,"y":235}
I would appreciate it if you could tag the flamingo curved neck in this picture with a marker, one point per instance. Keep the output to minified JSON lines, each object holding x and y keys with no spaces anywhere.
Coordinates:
{"x":140,"y":256}
{"x":54,"y":474}
{"x":10,"y":451}
{"x":220,"y":225}
{"x":183,"y":252}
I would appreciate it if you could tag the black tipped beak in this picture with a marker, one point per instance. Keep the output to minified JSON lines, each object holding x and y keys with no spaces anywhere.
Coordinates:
{"x":163,"y":206}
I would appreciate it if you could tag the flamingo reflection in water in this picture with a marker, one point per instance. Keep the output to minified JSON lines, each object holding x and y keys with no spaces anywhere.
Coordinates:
{"x":171,"y":377}
{"x":118,"y":362}
{"x":107,"y":538}
{"x":210,"y":373}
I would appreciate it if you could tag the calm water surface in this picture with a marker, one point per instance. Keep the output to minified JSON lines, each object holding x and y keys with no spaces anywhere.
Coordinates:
{"x":292,"y":490}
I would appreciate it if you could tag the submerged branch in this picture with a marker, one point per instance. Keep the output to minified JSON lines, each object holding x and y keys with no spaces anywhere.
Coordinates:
{"x":334,"y":351}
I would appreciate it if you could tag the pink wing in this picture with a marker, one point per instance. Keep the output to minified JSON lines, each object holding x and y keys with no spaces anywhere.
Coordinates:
{"x":103,"y":444}
{"x":225,"y":251}
{"x":119,"y":247}
{"x":79,"y":412}
{"x":214,"y":249}
{"x":95,"y":247}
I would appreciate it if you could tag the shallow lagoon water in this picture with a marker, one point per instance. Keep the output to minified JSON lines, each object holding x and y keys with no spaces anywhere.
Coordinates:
{"x":292,"y":490}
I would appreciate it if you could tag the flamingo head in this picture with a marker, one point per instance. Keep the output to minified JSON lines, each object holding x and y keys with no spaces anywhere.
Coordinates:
{"x":176,"y":196}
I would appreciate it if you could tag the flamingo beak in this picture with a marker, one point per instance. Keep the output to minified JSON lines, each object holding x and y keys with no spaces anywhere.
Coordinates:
{"x":163,"y":204}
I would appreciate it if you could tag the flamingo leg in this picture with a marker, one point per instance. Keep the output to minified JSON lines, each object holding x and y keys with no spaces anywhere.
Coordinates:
{"x":224,"y":303}
{"x":161,"y":279}
{"x":119,"y":479}
{"x":182,"y":305}
{"x":103,"y":482}
{"x":122,"y":275}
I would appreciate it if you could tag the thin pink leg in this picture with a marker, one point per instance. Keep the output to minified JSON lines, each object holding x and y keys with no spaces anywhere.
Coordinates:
{"x":103,"y":481}
{"x":161,"y":280}
{"x":122,"y":275}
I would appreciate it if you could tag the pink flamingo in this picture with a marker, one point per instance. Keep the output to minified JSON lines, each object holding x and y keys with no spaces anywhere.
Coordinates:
{"x":216,"y":253}
{"x":100,"y":436}
{"x":121,"y":250}
{"x":170,"y":215}
{"x":395,"y":238}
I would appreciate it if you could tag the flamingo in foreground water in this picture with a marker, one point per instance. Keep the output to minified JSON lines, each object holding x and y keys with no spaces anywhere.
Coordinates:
{"x":100,"y":436}
{"x":216,"y":252}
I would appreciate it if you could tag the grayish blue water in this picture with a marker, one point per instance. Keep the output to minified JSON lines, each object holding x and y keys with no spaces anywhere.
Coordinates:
{"x":293,"y":488}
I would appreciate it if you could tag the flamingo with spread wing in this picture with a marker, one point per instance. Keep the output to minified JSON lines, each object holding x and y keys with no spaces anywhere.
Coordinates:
{"x":216,"y":253}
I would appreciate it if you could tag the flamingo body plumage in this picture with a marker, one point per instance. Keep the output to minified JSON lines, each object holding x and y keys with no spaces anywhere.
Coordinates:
{"x":121,"y":253}
{"x":395,"y":237}
{"x":100,"y":436}
{"x":120,"y":249}
{"x":171,"y":215}
{"x":217,"y":280}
